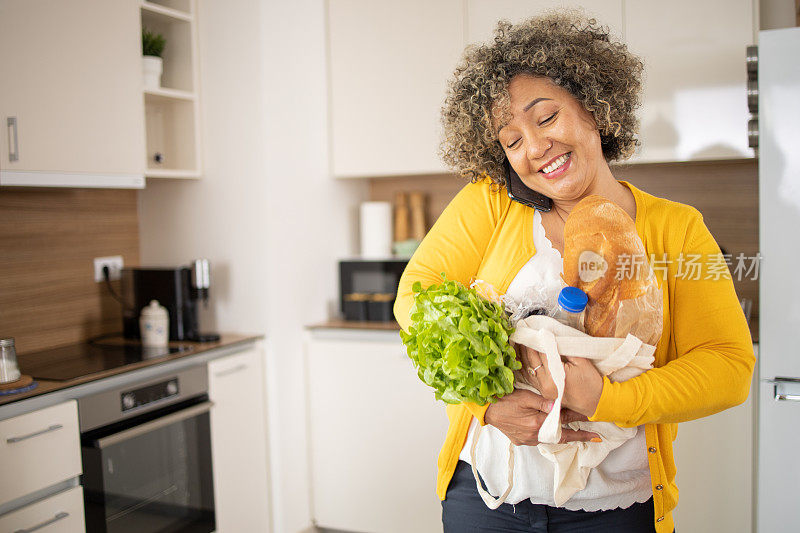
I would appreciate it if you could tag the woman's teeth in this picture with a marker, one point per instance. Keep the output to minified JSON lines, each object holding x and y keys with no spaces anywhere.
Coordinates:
{"x":555,"y":165}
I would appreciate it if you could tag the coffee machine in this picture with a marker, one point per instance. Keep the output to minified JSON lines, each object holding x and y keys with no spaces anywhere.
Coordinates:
{"x":179,"y":289}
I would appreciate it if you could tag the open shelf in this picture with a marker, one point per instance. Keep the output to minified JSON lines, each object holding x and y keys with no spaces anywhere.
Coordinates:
{"x":168,"y":94}
{"x":168,"y":14}
{"x":179,"y":60}
{"x":171,"y":173}
{"x":171,"y":131}
{"x":172,"y":140}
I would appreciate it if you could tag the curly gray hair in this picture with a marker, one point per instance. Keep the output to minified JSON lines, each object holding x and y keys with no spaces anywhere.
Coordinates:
{"x":574,"y":52}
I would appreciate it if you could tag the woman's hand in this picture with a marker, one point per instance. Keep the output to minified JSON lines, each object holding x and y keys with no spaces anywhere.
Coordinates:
{"x":583,"y":384}
{"x":519,"y":416}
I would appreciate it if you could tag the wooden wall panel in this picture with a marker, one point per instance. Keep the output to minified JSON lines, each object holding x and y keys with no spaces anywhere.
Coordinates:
{"x":725,"y":192}
{"x":48,"y":240}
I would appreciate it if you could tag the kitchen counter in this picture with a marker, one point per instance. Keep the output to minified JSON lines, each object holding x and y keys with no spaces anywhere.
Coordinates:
{"x":199,"y":352}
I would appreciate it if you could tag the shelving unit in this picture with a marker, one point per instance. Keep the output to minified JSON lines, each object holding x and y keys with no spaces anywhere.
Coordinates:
{"x":172,"y":112}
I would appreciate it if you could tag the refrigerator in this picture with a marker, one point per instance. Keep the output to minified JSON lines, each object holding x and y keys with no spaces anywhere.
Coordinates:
{"x":778,"y":434}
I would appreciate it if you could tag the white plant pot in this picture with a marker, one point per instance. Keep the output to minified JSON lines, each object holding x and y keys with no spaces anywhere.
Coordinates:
{"x":152,"y":67}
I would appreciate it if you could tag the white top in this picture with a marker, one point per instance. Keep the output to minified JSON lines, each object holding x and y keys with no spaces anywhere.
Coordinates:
{"x":622,"y":479}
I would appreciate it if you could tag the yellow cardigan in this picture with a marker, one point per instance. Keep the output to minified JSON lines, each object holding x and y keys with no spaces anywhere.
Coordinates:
{"x":703,"y":362}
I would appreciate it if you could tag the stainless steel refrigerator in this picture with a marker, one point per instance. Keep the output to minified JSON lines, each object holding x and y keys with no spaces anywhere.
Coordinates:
{"x":778,"y":467}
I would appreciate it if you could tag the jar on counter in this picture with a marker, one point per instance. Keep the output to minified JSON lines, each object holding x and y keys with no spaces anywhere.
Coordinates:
{"x":571,"y":304}
{"x":9,"y":369}
{"x":154,"y":325}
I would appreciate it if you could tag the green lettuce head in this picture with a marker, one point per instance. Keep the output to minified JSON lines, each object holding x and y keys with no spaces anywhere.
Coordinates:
{"x":458,"y":342}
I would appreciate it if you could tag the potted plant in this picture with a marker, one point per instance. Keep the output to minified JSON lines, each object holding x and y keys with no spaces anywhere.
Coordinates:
{"x":152,"y":64}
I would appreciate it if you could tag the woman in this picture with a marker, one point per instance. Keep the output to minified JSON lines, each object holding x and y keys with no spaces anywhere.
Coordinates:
{"x":554,"y":98}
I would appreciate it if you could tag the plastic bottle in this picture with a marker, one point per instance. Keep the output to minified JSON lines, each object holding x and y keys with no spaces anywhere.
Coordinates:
{"x":571,"y":304}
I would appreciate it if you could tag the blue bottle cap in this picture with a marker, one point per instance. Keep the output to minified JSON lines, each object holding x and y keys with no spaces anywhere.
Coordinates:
{"x":572,"y":299}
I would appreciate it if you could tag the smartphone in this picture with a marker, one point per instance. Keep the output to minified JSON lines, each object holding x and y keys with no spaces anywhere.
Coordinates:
{"x":519,"y":192}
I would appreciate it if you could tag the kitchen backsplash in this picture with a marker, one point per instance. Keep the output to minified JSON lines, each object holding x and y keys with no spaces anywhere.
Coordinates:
{"x":726,"y":192}
{"x":49,"y":239}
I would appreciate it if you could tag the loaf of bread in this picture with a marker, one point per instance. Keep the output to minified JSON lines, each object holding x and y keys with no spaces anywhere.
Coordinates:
{"x":604,"y":257}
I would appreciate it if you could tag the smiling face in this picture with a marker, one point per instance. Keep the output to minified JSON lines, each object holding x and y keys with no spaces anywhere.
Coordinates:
{"x":552,"y":142}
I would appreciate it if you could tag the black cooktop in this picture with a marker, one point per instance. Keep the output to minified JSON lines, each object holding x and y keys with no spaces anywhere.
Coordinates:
{"x":77,"y":360}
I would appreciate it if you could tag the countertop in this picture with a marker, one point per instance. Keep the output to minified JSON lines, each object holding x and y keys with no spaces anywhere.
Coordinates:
{"x":227,"y":340}
{"x":352,"y":324}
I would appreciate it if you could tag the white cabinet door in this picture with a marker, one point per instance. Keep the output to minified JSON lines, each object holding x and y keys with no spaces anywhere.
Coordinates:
{"x":714,"y":457}
{"x":389,"y":64}
{"x":375,"y":432}
{"x":62,"y":513}
{"x":39,"y":449}
{"x":238,"y":442}
{"x":71,"y":75}
{"x":483,"y":15}
{"x":695,"y":96}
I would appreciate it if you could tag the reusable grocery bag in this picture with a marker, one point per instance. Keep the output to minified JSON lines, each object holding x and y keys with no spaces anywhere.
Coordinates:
{"x":618,"y":358}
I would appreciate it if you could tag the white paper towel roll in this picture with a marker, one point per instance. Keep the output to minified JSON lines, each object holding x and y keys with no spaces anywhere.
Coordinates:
{"x":376,"y":230}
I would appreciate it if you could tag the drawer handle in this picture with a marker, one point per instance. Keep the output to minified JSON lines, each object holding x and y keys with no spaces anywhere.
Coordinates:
{"x":37,"y":527}
{"x":54,"y":427}
{"x":13,"y":142}
{"x":230,"y":371}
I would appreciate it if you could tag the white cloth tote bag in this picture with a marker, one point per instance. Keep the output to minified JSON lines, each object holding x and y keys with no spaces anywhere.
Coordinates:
{"x":619,"y":359}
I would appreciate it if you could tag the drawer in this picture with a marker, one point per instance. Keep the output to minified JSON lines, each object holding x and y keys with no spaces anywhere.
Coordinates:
{"x":60,"y":513}
{"x":39,"y":449}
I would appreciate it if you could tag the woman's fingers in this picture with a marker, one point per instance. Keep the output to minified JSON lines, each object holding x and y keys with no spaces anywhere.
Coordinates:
{"x":572,"y":435}
{"x":541,"y":378}
{"x":568,"y":415}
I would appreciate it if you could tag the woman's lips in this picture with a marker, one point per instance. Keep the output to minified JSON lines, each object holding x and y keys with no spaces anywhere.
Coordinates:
{"x":560,"y":170}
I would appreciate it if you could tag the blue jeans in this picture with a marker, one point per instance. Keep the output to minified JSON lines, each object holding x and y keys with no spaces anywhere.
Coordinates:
{"x":463,"y":511}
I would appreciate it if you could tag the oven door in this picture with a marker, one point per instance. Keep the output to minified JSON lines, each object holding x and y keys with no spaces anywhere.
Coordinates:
{"x":152,"y":474}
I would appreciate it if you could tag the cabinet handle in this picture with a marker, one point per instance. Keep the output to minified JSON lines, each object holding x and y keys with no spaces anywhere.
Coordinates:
{"x":54,"y":427}
{"x":791,"y":382}
{"x":233,"y":370}
{"x":13,"y":142}
{"x":56,"y":518}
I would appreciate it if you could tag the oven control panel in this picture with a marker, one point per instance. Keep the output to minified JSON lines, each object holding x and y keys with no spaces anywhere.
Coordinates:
{"x":131,"y":399}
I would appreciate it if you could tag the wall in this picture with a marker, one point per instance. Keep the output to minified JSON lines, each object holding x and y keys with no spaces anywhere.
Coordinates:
{"x":775,"y":14}
{"x":49,"y":238}
{"x":266,"y":214}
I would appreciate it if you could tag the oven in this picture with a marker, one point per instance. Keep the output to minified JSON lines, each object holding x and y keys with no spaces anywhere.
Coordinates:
{"x":146,"y":450}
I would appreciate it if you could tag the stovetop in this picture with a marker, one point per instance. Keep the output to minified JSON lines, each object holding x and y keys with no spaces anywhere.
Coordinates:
{"x":77,"y":360}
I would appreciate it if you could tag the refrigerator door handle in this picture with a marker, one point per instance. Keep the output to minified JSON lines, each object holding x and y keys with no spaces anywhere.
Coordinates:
{"x":782,"y":383}
{"x":793,"y":397}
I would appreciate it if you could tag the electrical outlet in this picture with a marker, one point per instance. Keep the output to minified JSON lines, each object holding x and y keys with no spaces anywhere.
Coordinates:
{"x":114,"y":264}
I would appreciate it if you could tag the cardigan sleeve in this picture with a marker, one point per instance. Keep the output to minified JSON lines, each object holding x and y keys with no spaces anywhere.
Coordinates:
{"x":714,"y":364}
{"x":455,"y":245}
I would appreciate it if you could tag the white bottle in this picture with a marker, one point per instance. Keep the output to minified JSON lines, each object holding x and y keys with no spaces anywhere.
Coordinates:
{"x":154,"y":325}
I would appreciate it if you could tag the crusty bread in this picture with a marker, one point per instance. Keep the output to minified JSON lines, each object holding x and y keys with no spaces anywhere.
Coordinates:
{"x":604,"y":257}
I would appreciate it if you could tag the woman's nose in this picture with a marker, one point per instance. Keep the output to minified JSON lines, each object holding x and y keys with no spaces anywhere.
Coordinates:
{"x":538,"y":147}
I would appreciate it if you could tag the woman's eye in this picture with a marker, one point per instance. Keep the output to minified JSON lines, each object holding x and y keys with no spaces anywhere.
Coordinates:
{"x":512,"y":144}
{"x":548,"y":119}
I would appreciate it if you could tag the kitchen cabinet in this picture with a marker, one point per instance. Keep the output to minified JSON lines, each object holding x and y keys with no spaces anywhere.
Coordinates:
{"x":389,"y":64}
{"x":695,"y":90}
{"x":385,"y":99}
{"x":38,"y":450}
{"x":62,"y":512}
{"x":483,"y":15}
{"x":73,"y":87}
{"x":715,"y":458}
{"x":239,"y":442}
{"x":375,"y":431}
{"x":172,"y":111}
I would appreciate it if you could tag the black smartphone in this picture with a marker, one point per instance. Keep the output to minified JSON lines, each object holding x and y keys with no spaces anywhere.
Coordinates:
{"x":519,"y":192}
